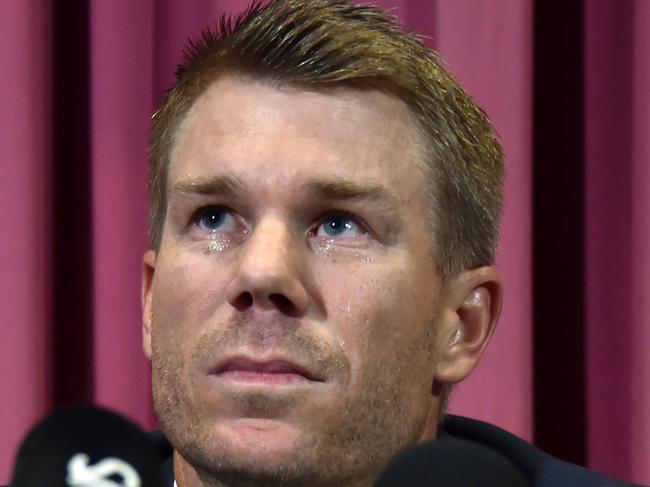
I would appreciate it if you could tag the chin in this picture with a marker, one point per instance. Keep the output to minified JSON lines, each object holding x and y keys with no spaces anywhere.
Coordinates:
{"x":265,"y":443}
{"x":263,"y":437}
{"x":261,"y":451}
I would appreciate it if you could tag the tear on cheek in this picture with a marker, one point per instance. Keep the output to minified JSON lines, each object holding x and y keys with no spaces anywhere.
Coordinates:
{"x":216,"y":245}
{"x":218,"y":242}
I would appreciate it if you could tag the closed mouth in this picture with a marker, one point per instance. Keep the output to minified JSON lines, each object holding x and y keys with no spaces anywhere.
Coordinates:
{"x":269,"y":371}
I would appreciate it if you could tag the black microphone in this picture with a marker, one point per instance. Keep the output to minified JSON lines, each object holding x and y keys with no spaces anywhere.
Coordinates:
{"x":450,"y":462}
{"x":87,"y":447}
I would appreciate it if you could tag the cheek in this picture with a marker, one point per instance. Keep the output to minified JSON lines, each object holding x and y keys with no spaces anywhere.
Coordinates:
{"x":186,"y":294}
{"x":385,"y":305}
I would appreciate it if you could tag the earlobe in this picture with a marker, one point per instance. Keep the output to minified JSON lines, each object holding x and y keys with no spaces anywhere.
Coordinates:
{"x":472,"y":310}
{"x":148,"y":269}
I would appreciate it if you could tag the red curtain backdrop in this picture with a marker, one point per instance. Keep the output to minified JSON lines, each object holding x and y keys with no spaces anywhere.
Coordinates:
{"x":568,"y":89}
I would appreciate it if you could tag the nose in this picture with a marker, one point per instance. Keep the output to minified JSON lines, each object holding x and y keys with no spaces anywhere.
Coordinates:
{"x":269,"y":275}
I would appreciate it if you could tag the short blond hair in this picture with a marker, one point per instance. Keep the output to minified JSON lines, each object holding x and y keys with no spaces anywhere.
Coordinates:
{"x":321,"y":43}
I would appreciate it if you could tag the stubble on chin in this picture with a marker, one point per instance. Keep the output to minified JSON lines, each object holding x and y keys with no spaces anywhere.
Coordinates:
{"x":346,"y":445}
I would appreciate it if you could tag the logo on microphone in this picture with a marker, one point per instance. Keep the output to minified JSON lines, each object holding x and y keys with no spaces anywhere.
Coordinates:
{"x":81,"y":474}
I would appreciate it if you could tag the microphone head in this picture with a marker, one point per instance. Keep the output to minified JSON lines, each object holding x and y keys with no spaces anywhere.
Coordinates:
{"x":450,"y":462}
{"x":87,"y":447}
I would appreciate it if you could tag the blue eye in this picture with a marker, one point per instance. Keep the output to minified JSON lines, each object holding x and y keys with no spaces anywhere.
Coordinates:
{"x":339,"y":226}
{"x":211,"y":218}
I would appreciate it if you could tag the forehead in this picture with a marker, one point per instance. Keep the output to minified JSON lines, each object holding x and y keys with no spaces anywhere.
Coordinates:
{"x":279,"y":133}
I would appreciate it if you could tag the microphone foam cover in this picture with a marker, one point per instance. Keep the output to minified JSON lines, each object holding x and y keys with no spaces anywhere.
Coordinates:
{"x":450,"y":462}
{"x":44,"y":456}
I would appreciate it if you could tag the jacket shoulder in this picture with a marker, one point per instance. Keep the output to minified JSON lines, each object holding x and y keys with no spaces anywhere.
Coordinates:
{"x":539,"y":468}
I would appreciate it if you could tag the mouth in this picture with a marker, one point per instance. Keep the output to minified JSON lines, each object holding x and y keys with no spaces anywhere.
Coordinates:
{"x":272,"y":372}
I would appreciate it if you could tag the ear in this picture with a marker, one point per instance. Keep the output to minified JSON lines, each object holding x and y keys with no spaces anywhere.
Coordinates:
{"x":148,"y":269}
{"x":472,"y":307}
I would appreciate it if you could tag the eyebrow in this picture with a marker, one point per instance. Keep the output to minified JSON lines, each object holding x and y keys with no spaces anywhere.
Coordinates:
{"x":337,"y":189}
{"x":342,"y":189}
{"x":222,"y":185}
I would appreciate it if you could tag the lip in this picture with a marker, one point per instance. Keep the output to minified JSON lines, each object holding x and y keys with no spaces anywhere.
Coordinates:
{"x":269,"y":371}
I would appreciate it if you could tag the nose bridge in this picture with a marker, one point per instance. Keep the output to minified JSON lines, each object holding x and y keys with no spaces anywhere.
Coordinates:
{"x":269,"y":248}
{"x":268,"y":274}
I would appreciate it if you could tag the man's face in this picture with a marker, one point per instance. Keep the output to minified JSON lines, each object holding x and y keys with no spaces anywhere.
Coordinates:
{"x":290,"y":310}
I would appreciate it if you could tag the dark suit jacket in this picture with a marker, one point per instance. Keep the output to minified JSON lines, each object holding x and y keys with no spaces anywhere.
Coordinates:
{"x":539,"y":468}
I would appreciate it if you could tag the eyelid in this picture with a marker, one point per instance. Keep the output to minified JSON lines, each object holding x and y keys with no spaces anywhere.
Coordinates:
{"x":197,"y":214}
{"x":363,"y":227}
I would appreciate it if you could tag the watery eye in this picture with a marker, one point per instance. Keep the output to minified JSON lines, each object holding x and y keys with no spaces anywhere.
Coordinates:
{"x":339,"y":226}
{"x":212,"y":218}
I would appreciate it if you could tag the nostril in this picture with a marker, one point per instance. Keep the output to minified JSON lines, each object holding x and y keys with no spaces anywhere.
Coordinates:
{"x":283,"y":304}
{"x":243,"y":301}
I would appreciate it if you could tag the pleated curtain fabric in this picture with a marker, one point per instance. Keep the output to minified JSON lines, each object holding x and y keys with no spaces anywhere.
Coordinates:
{"x":567,"y":86}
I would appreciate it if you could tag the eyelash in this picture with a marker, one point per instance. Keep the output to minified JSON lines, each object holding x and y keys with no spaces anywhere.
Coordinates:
{"x":201,"y":212}
{"x":363,"y":228}
{"x":195,"y":219}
